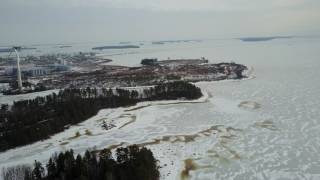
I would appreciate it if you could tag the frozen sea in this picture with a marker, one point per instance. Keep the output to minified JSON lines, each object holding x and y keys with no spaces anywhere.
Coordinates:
{"x":265,"y":127}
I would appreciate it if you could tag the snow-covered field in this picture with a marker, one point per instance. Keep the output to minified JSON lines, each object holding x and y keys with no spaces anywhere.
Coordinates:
{"x":265,"y":127}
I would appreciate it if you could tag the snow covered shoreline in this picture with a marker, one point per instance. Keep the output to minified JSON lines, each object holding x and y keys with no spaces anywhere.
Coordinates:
{"x":44,"y":149}
{"x":121,"y":122}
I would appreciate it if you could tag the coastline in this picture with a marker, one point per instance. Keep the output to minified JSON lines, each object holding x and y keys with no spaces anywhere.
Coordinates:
{"x":122,"y":119}
{"x":92,"y":122}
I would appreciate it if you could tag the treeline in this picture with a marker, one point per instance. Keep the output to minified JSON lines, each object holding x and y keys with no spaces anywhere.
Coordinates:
{"x":131,"y":163}
{"x":28,"y":121}
{"x":172,"y":91}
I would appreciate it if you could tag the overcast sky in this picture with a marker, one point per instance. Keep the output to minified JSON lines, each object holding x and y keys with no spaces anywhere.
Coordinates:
{"x":68,"y":21}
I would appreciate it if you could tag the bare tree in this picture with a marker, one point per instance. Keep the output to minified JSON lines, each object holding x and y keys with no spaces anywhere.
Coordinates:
{"x":16,"y":173}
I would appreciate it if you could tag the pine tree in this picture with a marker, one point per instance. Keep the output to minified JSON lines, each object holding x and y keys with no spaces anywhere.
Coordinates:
{"x":52,"y":169}
{"x":38,"y":171}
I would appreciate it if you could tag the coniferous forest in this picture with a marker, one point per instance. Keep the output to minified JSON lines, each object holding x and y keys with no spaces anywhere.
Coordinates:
{"x":131,"y":163}
{"x":28,"y":121}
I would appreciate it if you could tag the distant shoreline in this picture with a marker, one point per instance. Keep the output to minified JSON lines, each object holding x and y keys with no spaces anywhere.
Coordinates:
{"x":255,"y":39}
{"x":115,"y":47}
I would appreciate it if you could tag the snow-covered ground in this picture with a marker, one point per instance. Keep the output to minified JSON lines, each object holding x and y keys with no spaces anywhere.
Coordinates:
{"x":265,"y":127}
{"x":129,"y":126}
{"x":156,"y":125}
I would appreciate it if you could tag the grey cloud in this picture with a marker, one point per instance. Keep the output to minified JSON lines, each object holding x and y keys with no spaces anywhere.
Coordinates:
{"x":42,"y":21}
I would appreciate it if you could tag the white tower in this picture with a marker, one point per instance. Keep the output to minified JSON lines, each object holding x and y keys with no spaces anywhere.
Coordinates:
{"x":16,"y":49}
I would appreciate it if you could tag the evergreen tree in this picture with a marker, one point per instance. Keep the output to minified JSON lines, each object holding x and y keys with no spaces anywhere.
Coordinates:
{"x":38,"y":171}
{"x":52,"y":169}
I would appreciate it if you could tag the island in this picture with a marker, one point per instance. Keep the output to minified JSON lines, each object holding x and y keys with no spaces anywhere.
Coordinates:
{"x":115,"y":47}
{"x":190,"y":70}
{"x":88,"y":69}
{"x":254,"y":39}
